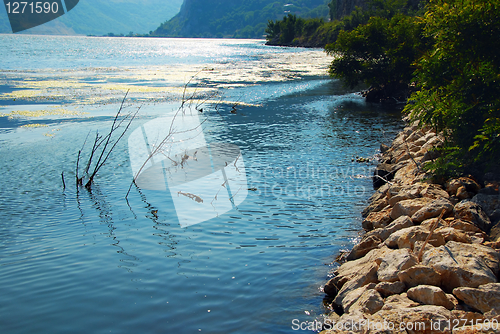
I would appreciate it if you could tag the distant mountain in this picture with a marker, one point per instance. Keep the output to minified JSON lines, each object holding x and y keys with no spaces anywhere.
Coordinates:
{"x":235,"y":18}
{"x":97,"y":17}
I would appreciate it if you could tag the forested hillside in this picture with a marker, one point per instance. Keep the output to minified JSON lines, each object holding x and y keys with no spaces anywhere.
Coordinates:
{"x":96,"y":17}
{"x":235,"y":18}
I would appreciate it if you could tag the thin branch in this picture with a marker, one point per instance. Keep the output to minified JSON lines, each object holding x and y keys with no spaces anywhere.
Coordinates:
{"x":431,"y":231}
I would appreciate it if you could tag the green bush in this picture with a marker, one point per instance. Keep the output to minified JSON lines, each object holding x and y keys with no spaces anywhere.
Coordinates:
{"x":459,"y":82}
{"x":380,"y":53}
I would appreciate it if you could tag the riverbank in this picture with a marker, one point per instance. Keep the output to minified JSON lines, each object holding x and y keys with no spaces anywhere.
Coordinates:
{"x":429,"y":260}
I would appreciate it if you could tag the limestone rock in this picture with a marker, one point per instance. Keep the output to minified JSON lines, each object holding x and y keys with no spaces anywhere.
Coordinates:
{"x":398,"y":224}
{"x":429,"y":155}
{"x":380,"y":193}
{"x":406,"y":174}
{"x":468,"y":317}
{"x":408,"y":207}
{"x":399,"y":301}
{"x":418,"y":246}
{"x":369,"y":302}
{"x":430,"y":295}
{"x":434,"y":191}
{"x":384,"y":148}
{"x":350,"y":297}
{"x":361,"y":266}
{"x":414,"y":136}
{"x":484,"y":298}
{"x":420,"y":275}
{"x":375,"y":207}
{"x":432,"y":142}
{"x":432,"y":210}
{"x":495,"y":233}
{"x":424,"y":139}
{"x":464,"y":226}
{"x":366,"y":245}
{"x":394,"y":262}
{"x":430,"y":319}
{"x":428,"y":223}
{"x":405,"y":193}
{"x":377,"y":219}
{"x":365,"y":276}
{"x":469,"y":184}
{"x":462,"y":193}
{"x":346,"y":321}
{"x":474,"y":213}
{"x":387,"y":289}
{"x":407,"y":237}
{"x":451,"y":234}
{"x":463,"y":265}
{"x":393,"y":190}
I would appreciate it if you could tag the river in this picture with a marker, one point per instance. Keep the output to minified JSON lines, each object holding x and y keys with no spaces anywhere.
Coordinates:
{"x":78,"y":261}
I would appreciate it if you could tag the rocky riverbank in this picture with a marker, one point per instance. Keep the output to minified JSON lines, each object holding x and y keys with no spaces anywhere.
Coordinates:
{"x":429,"y":259}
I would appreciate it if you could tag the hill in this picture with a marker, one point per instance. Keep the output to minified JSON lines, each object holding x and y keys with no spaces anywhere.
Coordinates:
{"x":96,"y":17}
{"x":235,"y":18}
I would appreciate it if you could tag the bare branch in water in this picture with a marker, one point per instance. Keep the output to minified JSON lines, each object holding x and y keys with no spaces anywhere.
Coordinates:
{"x":159,"y":148}
{"x":103,"y":146}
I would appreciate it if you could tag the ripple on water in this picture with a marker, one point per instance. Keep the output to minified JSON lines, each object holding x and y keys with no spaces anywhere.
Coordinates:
{"x":93,"y":261}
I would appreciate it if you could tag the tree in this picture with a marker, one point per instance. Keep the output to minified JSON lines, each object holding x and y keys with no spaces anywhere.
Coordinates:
{"x":459,"y":81}
{"x":380,"y":53}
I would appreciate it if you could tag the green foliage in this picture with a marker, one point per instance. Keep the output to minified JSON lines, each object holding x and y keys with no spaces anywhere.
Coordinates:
{"x":379,"y":53}
{"x":234,"y":19}
{"x":332,"y":9}
{"x":459,"y":81}
{"x":311,"y":32}
{"x":321,"y":33}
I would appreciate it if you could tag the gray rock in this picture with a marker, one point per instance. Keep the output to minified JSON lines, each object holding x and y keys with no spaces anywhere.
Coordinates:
{"x":490,"y":205}
{"x":474,"y":213}
{"x":382,"y":174}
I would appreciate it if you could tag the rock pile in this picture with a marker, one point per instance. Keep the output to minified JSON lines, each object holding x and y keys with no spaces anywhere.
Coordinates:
{"x":430,"y":252}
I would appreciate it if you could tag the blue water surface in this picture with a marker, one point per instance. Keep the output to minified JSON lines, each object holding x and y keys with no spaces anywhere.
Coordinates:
{"x":74,"y":261}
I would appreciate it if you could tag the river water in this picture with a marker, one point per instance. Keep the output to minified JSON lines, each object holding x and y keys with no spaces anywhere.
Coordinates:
{"x":80,"y":261}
